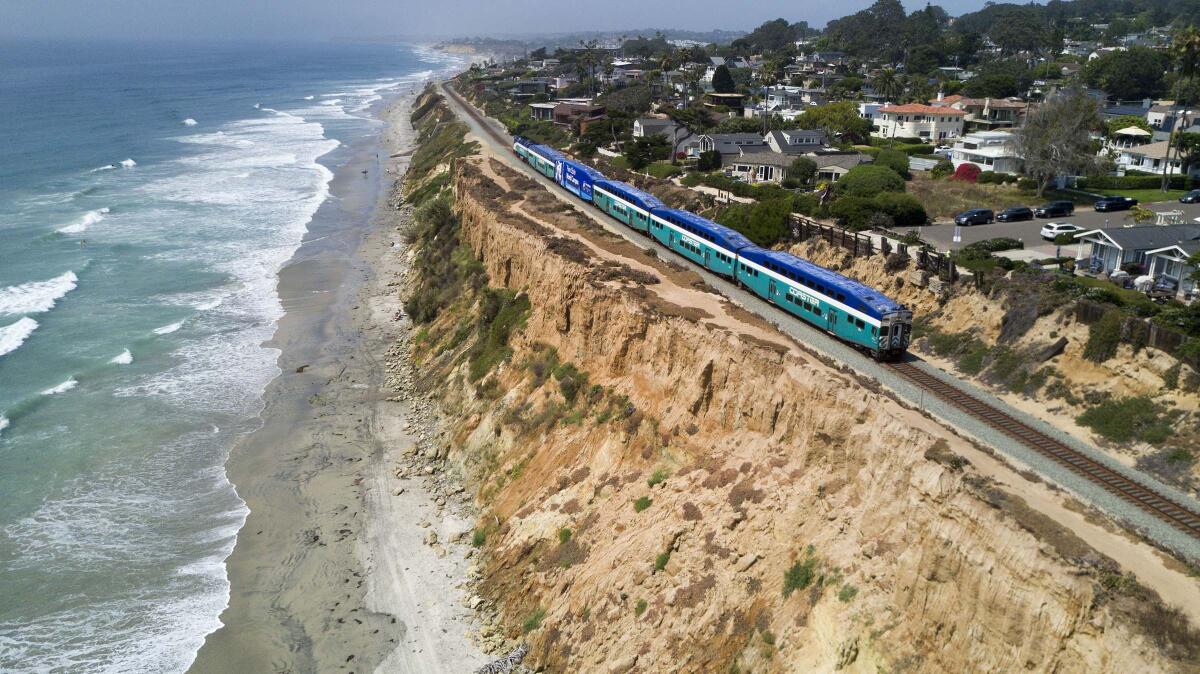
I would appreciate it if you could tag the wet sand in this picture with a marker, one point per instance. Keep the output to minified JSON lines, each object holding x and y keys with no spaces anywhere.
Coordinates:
{"x":332,"y":570}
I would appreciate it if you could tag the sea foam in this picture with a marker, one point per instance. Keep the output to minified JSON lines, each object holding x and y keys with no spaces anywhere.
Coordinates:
{"x":128,"y":163}
{"x":168,"y":329}
{"x":36,"y":296}
{"x":90,"y":218}
{"x":3,"y":422}
{"x":123,"y":358}
{"x":14,"y":335}
{"x":189,"y":122}
{"x":61,"y":388}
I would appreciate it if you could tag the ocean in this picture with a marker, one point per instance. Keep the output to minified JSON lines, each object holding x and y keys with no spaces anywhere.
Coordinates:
{"x":149,"y":194}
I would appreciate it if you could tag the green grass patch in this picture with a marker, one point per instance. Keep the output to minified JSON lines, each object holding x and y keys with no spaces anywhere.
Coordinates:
{"x":1144,"y":196}
{"x":1128,"y":419}
{"x":663,"y":169}
{"x":847,"y":593}
{"x":501,"y":312}
{"x":657,"y":477}
{"x":800,"y":575}
{"x":479,"y":538}
{"x":564,"y":535}
{"x":660,"y":562}
{"x":533,"y":620}
{"x":641,"y":504}
{"x":640,"y":607}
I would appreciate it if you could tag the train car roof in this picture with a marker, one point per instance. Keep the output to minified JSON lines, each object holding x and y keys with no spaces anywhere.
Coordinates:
{"x":633,"y":195}
{"x":547,"y":152}
{"x":729,"y":238}
{"x":871,"y":298}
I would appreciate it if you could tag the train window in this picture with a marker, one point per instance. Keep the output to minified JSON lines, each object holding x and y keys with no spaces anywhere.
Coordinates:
{"x":883,"y":331}
{"x":817,"y":310}
{"x":841,"y":297}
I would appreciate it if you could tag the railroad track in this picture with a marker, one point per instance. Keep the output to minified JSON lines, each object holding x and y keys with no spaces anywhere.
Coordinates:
{"x":1077,"y":462}
{"x":1106,"y":478}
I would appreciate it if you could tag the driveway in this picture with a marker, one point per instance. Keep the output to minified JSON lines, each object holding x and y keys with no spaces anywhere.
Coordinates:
{"x":942,"y":236}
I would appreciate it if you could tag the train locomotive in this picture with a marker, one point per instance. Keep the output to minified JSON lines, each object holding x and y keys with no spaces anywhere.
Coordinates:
{"x":851,"y":311}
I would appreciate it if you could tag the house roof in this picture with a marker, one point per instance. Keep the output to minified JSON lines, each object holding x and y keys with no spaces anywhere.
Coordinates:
{"x":1145,"y":237}
{"x":846,"y":161}
{"x":655,"y":122}
{"x":918,"y":109}
{"x":1186,"y":248}
{"x":1153,"y":150}
{"x":766,"y":158}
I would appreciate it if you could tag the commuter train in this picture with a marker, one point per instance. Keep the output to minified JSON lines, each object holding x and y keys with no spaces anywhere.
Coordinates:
{"x":852,"y":311}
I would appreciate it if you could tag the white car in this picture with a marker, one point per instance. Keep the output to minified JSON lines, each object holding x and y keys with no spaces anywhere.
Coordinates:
{"x":1052,"y":229}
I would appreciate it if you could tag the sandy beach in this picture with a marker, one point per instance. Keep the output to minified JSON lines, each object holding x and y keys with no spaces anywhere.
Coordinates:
{"x":353,"y":557}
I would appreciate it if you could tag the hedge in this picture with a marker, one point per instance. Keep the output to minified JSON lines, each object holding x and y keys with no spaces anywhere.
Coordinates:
{"x":993,"y":178}
{"x":1131,"y":183}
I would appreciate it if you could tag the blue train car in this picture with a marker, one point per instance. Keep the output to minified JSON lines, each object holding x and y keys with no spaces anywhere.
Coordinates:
{"x":842,"y":306}
{"x":576,"y":177}
{"x":625,"y":203}
{"x":698,"y":239}
{"x":542,"y":158}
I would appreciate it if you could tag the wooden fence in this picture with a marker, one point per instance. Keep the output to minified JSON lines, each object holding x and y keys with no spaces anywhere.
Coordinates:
{"x":1139,"y":332}
{"x":862,"y":245}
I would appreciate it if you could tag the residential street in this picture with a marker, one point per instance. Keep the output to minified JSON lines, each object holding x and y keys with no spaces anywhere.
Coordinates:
{"x":942,"y":235}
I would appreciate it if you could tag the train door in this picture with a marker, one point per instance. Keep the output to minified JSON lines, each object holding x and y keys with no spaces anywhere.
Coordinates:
{"x":832,"y":321}
{"x":707,"y":253}
{"x":771,"y":290}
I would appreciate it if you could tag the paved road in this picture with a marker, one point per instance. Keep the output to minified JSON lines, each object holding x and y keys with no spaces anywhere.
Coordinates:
{"x":821,"y":343}
{"x":942,"y":236}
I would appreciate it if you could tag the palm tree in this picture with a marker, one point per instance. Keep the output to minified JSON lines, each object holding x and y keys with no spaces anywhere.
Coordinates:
{"x":887,"y":84}
{"x":1186,"y":52}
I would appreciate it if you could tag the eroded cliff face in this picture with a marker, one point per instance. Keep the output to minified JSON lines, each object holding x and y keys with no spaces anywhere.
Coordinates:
{"x":664,"y":489}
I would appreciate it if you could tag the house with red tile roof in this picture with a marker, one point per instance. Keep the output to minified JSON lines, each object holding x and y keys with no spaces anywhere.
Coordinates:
{"x":914,"y":120}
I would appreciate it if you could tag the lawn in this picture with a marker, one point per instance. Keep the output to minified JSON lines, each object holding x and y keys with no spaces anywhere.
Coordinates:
{"x":1146,"y":196}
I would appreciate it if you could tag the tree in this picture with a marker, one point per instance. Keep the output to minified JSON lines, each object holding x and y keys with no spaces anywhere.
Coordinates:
{"x":869,"y":180}
{"x":1056,"y":138}
{"x":802,"y":170}
{"x":1114,"y":125}
{"x":967,"y":173}
{"x":1128,"y":75}
{"x":646,"y":149}
{"x":894,"y":159}
{"x":887,"y":84}
{"x":709,"y":161}
{"x":840,"y":120}
{"x":722,"y":80}
{"x":905,"y":209}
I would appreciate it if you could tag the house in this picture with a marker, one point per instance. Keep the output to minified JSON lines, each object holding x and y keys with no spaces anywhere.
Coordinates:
{"x":561,"y":82}
{"x":1164,"y":117}
{"x":1130,"y":136}
{"x":734,"y":102}
{"x":1152,"y":158}
{"x":831,"y":167}
{"x":567,"y":113}
{"x":833,"y":58}
{"x":729,"y":144}
{"x":782,"y":97}
{"x":989,"y":150}
{"x":649,"y":126}
{"x":985,"y":113}
{"x":528,"y":88}
{"x":1169,"y":267}
{"x":870,"y":111}
{"x":1134,"y":109}
{"x":796,"y":141}
{"x":914,"y":120}
{"x":543,"y":112}
{"x":1103,"y":251}
{"x":758,"y":167}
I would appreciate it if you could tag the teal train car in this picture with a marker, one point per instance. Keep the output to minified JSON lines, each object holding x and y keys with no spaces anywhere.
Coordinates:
{"x":713,"y":246}
{"x":542,"y":158}
{"x":625,"y":203}
{"x":852,"y":311}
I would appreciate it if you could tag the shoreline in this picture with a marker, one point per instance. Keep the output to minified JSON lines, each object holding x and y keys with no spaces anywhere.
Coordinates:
{"x":325,"y":574}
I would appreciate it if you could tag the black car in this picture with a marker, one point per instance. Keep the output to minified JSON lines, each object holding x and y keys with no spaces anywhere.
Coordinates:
{"x":975,"y":216}
{"x":1054,"y":209}
{"x":1015,"y":214}
{"x":1115,"y":204}
{"x":1192,"y":197}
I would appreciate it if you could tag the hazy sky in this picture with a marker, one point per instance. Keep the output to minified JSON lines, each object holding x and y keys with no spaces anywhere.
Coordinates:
{"x":435,"y":18}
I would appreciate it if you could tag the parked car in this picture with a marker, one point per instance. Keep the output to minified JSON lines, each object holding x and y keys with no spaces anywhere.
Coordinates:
{"x":975,"y":216}
{"x":1054,"y":209}
{"x":1015,"y":214}
{"x":1115,"y":204}
{"x":1192,"y":197}
{"x":1051,"y":230}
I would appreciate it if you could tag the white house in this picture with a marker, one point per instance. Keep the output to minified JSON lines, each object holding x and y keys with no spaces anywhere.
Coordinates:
{"x":914,"y":120}
{"x":1152,"y":158}
{"x":796,"y":141}
{"x":1103,"y":251}
{"x":1169,"y":266}
{"x":989,"y":150}
{"x":870,"y":111}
